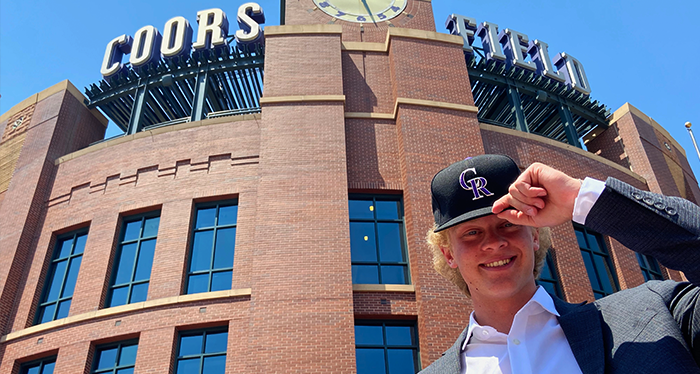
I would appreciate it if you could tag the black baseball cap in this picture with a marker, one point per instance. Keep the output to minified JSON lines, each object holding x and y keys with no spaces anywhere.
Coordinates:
{"x":467,"y":189}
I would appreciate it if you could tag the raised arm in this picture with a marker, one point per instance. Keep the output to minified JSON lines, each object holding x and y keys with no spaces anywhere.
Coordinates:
{"x":667,"y":228}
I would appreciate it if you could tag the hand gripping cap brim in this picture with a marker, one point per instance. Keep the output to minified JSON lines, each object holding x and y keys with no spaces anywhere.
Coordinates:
{"x":467,"y":189}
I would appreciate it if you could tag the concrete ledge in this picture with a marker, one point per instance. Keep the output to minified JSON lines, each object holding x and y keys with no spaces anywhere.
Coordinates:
{"x":383,"y":288}
{"x":302,"y":29}
{"x":396,"y":32}
{"x":424,"y":35}
{"x":407,"y":101}
{"x":435,"y":104}
{"x":367,"y":115}
{"x":363,"y":46}
{"x":113,"y":312}
{"x":58,"y":87}
{"x":629,"y":108}
{"x":300,"y":99}
{"x":160,"y":130}
{"x":570,"y":148}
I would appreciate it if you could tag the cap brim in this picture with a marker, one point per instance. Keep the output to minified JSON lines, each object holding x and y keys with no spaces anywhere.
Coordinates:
{"x":481,"y":212}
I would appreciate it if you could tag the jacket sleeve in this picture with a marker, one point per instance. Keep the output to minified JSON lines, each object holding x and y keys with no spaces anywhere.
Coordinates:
{"x":666,"y":228}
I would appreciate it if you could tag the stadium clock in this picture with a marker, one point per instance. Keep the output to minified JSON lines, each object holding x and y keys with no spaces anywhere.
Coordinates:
{"x":362,"y":11}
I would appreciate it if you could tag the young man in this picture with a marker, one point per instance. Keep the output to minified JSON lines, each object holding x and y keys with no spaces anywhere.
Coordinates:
{"x":484,"y":240}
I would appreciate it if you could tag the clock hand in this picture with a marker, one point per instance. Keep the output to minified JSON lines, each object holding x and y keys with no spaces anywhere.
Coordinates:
{"x":369,"y":12}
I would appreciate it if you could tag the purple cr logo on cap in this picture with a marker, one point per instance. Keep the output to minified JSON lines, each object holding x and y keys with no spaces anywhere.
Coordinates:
{"x":476,"y":185}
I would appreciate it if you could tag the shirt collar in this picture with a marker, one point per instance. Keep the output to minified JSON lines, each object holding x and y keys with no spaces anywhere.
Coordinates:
{"x":540,"y":299}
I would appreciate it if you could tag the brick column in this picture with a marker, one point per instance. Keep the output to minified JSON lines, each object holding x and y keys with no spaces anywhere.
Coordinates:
{"x":301,"y":304}
{"x":436,"y":125}
{"x":169,"y":258}
{"x":73,"y":359}
{"x":157,"y":351}
{"x":60,"y":124}
{"x":96,"y":265}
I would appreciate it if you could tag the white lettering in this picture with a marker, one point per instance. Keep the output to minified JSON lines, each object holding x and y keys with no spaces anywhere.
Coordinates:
{"x":488,"y":33}
{"x":213,"y":29}
{"x":177,"y":37}
{"x":539,"y":53}
{"x":515,"y":47}
{"x":112,"y":62}
{"x":463,"y":26}
{"x":146,"y":43}
{"x":573,"y":70}
{"x":250,"y":29}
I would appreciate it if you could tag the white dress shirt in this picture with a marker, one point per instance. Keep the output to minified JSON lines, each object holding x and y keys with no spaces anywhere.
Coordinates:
{"x":535,"y":344}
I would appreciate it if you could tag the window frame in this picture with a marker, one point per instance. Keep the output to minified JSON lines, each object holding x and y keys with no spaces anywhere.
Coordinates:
{"x":555,"y":281}
{"x":606,"y":256}
{"x":50,"y":272}
{"x":24,"y":368}
{"x":386,"y":347}
{"x":115,"y":369}
{"x":406,"y":264}
{"x":202,"y":355}
{"x":215,"y":228}
{"x":645,"y":265}
{"x":118,"y":254}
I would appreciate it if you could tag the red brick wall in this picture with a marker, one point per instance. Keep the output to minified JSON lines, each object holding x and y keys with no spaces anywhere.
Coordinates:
{"x":610,"y":146}
{"x":367,"y":82}
{"x":667,"y":171}
{"x":384,"y":304}
{"x":58,"y":124}
{"x":302,"y":294}
{"x":372,"y":152}
{"x":96,"y":188}
{"x":155,"y":329}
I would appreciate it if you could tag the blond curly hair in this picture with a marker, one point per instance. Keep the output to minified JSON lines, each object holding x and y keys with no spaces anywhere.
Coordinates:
{"x":441,"y":239}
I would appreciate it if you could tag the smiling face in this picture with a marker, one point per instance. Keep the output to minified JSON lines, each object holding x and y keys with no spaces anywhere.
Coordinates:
{"x":495,"y":258}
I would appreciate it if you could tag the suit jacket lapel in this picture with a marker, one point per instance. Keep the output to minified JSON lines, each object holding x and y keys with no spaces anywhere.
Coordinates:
{"x":581,"y":325}
{"x":452,"y":355}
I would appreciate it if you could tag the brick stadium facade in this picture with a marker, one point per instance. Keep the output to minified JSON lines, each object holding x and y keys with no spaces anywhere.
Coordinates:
{"x":347,"y":110}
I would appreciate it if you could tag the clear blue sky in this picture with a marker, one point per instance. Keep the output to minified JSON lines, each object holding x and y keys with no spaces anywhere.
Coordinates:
{"x":642,"y":52}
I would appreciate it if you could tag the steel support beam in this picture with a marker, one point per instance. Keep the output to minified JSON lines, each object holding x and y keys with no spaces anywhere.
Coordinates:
{"x":568,"y":121}
{"x":518,"y":113}
{"x":200,"y":92}
{"x":135,"y":123}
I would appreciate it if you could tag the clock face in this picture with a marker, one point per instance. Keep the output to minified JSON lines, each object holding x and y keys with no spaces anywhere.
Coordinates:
{"x":362,"y":11}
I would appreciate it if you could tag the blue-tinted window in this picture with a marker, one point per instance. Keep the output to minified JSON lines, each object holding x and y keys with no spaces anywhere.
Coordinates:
{"x":650,"y":267}
{"x":377,"y":240}
{"x":213,"y":247}
{"x":118,"y":358}
{"x":386,"y":348}
{"x":597,"y":261}
{"x":134,"y":259}
{"x":61,"y":277}
{"x":548,"y":277}
{"x":202,"y":352}
{"x":43,"y":366}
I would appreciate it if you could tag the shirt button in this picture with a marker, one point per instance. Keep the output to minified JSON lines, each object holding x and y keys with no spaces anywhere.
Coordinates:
{"x":485,"y":333}
{"x":516,"y":341}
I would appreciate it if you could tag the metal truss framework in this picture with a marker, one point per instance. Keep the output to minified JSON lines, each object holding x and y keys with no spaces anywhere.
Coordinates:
{"x":211,"y":83}
{"x":526,"y":101}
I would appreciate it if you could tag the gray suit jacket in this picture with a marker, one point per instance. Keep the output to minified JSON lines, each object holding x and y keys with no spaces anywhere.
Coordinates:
{"x":653,"y":328}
